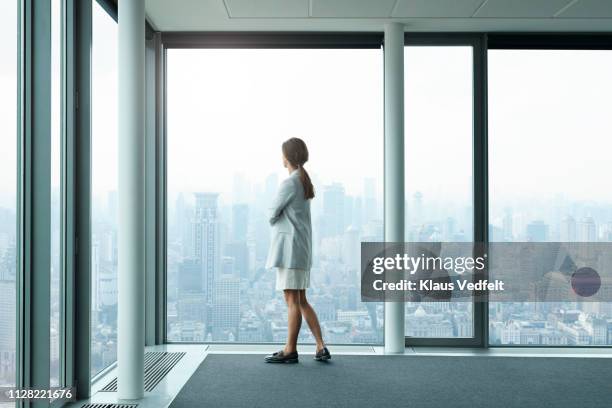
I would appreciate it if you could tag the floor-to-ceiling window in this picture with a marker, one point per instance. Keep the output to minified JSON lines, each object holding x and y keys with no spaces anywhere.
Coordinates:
{"x":56,"y":218}
{"x":438,"y":139}
{"x":228,"y":111}
{"x":104,"y":190}
{"x":549,"y":179}
{"x":8,"y":190}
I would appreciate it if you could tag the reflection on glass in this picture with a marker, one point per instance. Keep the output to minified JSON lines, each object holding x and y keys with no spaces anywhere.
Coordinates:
{"x":549,"y":156}
{"x":104,"y":191}
{"x":8,"y":190}
{"x":438,"y":170}
{"x":228,"y":113}
{"x":54,"y":335}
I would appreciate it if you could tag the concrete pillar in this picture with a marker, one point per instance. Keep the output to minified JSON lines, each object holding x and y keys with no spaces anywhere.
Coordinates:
{"x":131,"y":279}
{"x":394,"y":169}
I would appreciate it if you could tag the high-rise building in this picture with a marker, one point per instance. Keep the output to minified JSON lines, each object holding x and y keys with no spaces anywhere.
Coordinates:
{"x":206,"y":239}
{"x":190,"y":276}
{"x":507,"y":226}
{"x":537,"y":231}
{"x":567,"y":232}
{"x":228,"y":265}
{"x":226,"y":310}
{"x":587,"y":230}
{"x":239,"y":252}
{"x":333,"y":210}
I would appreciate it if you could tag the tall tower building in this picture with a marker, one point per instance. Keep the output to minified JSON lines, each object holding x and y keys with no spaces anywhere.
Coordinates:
{"x":189,"y":276}
{"x":537,"y":231}
{"x":333,"y":210}
{"x":226,"y":310}
{"x":568,"y":229}
{"x":587,"y":230}
{"x":206,"y":239}
{"x":507,"y":226}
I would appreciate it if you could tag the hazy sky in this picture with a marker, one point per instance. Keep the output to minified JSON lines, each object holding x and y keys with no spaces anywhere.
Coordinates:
{"x":550,"y":123}
{"x":229,"y":110}
{"x":8,"y":99}
{"x":438,"y":123}
{"x":104,"y":102}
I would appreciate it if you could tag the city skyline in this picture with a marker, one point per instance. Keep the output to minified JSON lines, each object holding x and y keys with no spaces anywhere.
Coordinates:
{"x":510,"y":323}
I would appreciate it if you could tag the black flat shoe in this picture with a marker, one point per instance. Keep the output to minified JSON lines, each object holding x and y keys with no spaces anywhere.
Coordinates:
{"x":322,"y":355}
{"x":281,"y":357}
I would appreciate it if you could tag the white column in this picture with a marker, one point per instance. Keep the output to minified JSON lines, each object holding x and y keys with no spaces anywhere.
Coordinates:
{"x":131,"y":279}
{"x":394,"y":169}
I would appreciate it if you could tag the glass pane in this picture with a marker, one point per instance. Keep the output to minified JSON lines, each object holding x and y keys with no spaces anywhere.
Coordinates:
{"x":104,"y":191}
{"x":54,"y":335}
{"x":228,"y":113}
{"x":8,"y":190}
{"x":549,"y":157}
{"x":438,"y":170}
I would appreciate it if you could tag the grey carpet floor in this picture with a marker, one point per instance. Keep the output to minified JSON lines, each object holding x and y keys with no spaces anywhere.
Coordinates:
{"x":237,"y":380}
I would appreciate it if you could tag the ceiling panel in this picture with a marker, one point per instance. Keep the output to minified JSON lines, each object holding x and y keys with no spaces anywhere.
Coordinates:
{"x":417,"y":15}
{"x":436,"y":8}
{"x":351,"y":8}
{"x":185,"y":15}
{"x":589,"y":9}
{"x":520,"y":8}
{"x":267,"y":8}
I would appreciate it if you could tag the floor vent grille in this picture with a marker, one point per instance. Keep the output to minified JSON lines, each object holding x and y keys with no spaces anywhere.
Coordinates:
{"x":109,"y":405}
{"x":156,"y":365}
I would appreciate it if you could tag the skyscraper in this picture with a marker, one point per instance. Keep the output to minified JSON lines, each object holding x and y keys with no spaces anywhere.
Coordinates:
{"x":333,"y":210}
{"x":567,"y":231}
{"x":226,"y":311}
{"x":508,"y":226}
{"x":189,"y":276}
{"x":587,"y":230}
{"x":537,"y":231}
{"x":206,"y":240}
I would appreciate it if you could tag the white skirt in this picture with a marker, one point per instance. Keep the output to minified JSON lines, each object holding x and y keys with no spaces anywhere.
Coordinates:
{"x":292,"y":278}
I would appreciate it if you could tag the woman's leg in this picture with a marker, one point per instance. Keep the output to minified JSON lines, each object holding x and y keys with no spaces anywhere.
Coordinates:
{"x":294,"y":319}
{"x":311,"y":318}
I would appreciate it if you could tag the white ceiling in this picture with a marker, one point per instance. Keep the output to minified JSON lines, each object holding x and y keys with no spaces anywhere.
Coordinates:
{"x":370,"y":15}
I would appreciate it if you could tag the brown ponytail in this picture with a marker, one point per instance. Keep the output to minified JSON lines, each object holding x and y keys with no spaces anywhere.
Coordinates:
{"x":296,"y":153}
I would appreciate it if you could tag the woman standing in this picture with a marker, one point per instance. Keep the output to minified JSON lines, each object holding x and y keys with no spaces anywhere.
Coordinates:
{"x":291,"y":251}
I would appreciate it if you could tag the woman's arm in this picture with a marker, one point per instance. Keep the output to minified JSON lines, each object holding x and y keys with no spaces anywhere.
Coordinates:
{"x":285,"y":194}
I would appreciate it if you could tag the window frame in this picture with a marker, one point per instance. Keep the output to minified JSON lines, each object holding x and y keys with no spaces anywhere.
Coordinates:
{"x":545,"y":41}
{"x":481,"y":43}
{"x":478,"y":42}
{"x":229,"y":40}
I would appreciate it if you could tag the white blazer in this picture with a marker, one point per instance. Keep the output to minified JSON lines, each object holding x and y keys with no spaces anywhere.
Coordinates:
{"x":291,"y":241}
